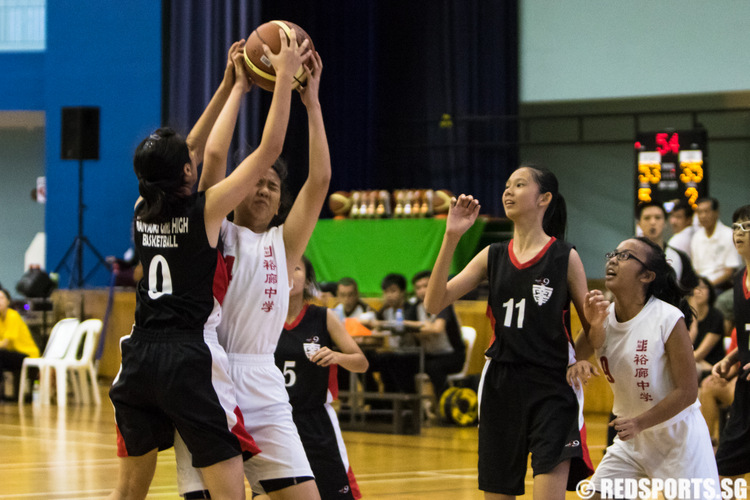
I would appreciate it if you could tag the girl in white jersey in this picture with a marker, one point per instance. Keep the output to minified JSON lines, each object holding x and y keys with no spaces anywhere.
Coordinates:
{"x":644,"y":349}
{"x":172,"y":374}
{"x":258,"y":256}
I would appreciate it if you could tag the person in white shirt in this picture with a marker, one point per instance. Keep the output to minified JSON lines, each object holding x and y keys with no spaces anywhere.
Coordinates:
{"x":643,"y":347}
{"x":652,"y":220}
{"x":714,"y":255}
{"x":681,"y":222}
{"x":350,"y":305}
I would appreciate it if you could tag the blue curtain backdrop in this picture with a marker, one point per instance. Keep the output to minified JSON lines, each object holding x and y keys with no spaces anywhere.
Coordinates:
{"x":392,"y":70}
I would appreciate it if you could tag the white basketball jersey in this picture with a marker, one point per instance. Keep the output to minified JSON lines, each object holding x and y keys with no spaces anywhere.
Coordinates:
{"x":257,"y":300}
{"x":633,"y":357}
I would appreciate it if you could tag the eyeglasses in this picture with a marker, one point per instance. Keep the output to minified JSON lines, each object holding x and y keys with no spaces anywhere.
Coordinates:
{"x":624,"y":255}
{"x":741,"y":226}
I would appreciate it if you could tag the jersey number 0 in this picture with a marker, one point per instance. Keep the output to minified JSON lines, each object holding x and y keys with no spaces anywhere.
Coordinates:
{"x":158,"y":271}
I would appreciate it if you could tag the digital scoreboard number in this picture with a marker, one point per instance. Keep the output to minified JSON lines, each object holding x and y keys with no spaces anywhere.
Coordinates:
{"x":671,"y":166}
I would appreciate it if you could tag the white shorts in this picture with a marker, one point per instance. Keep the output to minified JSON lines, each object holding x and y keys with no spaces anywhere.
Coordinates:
{"x":264,"y":403}
{"x":678,"y":448}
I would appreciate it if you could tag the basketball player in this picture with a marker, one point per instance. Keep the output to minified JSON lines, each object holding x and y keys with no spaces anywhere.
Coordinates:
{"x":258,"y":254}
{"x":172,"y":374}
{"x":644,"y":350}
{"x":733,"y":454}
{"x":526,"y":404}
{"x":312,"y":346}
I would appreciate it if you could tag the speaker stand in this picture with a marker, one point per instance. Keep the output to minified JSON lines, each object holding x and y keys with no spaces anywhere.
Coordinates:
{"x":77,"y":279}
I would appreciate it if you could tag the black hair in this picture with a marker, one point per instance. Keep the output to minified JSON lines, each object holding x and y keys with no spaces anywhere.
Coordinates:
{"x":714,"y":202}
{"x":158,"y":163}
{"x":711,"y":290}
{"x":6,"y":293}
{"x":347,"y":281}
{"x":555,"y":217}
{"x":665,"y":285}
{"x":683,"y":205}
{"x":311,"y":285}
{"x":285,"y":197}
{"x":421,"y":275}
{"x":742,"y":213}
{"x":643,"y":206}
{"x":328,"y":286}
{"x":394,"y":279}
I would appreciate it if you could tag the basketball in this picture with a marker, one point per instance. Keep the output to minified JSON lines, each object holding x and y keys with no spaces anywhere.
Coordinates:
{"x":442,"y":201}
{"x":340,"y":203}
{"x":260,"y":70}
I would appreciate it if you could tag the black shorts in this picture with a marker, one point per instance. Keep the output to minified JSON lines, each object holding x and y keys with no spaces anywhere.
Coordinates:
{"x":527,"y":409}
{"x":323,"y":444}
{"x":733,"y":454}
{"x":169,"y":381}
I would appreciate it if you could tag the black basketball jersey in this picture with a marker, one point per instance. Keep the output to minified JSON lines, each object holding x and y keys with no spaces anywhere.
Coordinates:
{"x":307,"y":383}
{"x":179,"y":269}
{"x":529,"y":305}
{"x":742,"y":315}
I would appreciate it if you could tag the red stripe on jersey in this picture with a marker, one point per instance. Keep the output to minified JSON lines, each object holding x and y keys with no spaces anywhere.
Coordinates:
{"x":221,"y":277}
{"x":565,"y":326}
{"x":122,"y":451}
{"x":293,"y":324}
{"x":353,"y":484}
{"x":744,"y":285}
{"x":247,"y":443}
{"x":492,"y":324}
{"x":534,"y":260}
{"x":585,"y":450}
{"x":333,"y":381}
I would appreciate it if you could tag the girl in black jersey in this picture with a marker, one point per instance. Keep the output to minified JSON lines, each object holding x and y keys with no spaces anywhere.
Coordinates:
{"x":306,"y":356}
{"x":733,"y":455}
{"x":171,"y":375}
{"x":526,"y":404}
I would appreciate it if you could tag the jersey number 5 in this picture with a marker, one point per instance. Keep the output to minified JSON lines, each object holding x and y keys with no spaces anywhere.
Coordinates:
{"x":158,"y":271}
{"x":290,"y":377}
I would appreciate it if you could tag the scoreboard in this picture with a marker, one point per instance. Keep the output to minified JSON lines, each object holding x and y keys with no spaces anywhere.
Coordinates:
{"x":671,"y":165}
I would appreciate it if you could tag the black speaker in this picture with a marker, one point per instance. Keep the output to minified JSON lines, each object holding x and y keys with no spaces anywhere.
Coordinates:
{"x":80,"y":133}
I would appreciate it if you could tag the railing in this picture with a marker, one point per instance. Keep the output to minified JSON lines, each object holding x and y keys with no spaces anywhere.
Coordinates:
{"x":23,"y":25}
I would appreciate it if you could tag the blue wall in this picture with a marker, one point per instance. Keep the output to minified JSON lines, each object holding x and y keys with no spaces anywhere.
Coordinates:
{"x":106,"y":54}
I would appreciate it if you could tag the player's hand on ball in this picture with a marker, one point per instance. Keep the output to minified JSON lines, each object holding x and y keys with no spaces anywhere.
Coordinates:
{"x":290,"y":56}
{"x":240,"y":70}
{"x":309,"y":92}
{"x":324,"y":357}
{"x":230,"y":71}
{"x":462,"y":214}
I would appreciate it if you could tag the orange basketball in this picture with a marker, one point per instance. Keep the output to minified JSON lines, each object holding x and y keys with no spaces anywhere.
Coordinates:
{"x":261,"y":72}
{"x":441,"y":203}
{"x":340,"y":203}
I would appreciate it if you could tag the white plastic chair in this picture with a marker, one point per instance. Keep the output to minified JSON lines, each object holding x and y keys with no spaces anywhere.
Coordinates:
{"x":469,"y":335}
{"x":79,"y":364}
{"x":59,"y":340}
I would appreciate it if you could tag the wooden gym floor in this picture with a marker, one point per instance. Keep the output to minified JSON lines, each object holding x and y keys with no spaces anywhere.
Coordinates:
{"x":47,"y":453}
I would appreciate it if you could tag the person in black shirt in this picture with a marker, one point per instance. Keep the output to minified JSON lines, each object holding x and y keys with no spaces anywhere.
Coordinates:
{"x":172,"y":376}
{"x":707,"y":332}
{"x":526,"y":404}
{"x":311,"y":347}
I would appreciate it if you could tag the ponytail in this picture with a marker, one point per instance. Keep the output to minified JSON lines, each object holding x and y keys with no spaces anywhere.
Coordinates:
{"x":665,"y":285}
{"x":158,"y":163}
{"x":556,"y":215}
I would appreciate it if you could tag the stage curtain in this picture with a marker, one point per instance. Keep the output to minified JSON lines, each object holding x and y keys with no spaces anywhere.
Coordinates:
{"x":392,"y":70}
